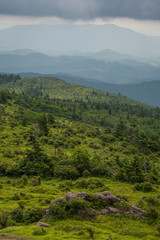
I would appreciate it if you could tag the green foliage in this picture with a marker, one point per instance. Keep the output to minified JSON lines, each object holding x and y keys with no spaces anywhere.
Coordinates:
{"x":145,"y":187}
{"x":98,"y":204}
{"x":29,"y":215}
{"x":152,"y":214}
{"x":90,"y":183}
{"x":86,"y":173}
{"x":64,"y":208}
{"x":101,"y":169}
{"x":17,"y":215}
{"x":43,"y":125}
{"x":74,"y":132}
{"x":4,"y":78}
{"x":15,"y":197}
{"x":158,"y":228}
{"x":36,"y":161}
{"x":91,"y":232}
{"x":32,"y":215}
{"x":123,"y":206}
{"x":35,"y":181}
{"x":76,"y":204}
{"x":58,"y":210}
{"x":23,"y":181}
{"x":39,"y":231}
{"x":66,"y":171}
{"x":81,"y":160}
{"x":4,"y":219}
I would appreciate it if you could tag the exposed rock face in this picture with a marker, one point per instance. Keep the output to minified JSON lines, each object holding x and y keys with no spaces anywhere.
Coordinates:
{"x":85,"y":196}
{"x":105,"y":196}
{"x":135,"y":211}
{"x":70,"y":195}
{"x":41,"y":224}
{"x":112,"y":199}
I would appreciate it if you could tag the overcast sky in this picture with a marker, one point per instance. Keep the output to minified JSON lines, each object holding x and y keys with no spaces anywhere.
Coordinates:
{"x":139,"y":15}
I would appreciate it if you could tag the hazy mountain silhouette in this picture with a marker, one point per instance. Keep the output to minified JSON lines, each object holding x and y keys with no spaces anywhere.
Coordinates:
{"x":71,"y":37}
{"x":82,"y":66}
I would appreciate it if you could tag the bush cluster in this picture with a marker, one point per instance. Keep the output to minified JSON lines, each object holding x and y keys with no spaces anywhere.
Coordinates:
{"x":64,"y":208}
{"x":145,"y":187}
{"x":91,"y":183}
{"x":29,"y":215}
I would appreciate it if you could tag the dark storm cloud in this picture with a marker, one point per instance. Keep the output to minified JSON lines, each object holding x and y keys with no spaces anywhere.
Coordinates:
{"x":83,"y":9}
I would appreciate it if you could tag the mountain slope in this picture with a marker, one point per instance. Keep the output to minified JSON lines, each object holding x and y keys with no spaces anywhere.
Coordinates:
{"x":70,"y":37}
{"x":146,"y":92}
{"x":70,"y":138}
{"x":112,"y":72}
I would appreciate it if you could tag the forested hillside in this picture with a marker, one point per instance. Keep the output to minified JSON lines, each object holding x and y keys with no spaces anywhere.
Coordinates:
{"x":58,"y":137}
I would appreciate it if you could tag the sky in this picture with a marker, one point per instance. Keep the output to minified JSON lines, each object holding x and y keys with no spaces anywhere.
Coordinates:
{"x":140,"y":15}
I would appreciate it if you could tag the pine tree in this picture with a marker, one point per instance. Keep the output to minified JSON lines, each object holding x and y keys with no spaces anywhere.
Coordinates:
{"x":43,"y":125}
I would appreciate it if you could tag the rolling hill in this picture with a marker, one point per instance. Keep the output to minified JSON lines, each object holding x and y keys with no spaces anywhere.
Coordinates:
{"x":110,"y":71}
{"x":146,"y":92}
{"x":58,"y":137}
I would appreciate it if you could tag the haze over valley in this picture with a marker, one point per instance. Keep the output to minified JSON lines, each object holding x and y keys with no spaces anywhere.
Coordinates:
{"x":101,"y":54}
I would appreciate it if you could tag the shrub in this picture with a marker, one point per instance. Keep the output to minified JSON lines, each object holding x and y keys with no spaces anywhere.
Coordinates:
{"x":4,"y":219}
{"x":65,"y":184}
{"x":24,"y":179}
{"x":158,"y":228}
{"x":99,"y":204}
{"x":15,"y":197}
{"x":152,"y":214}
{"x":152,"y":201}
{"x":89,"y":183}
{"x":36,"y":162}
{"x":13,"y":170}
{"x":101,"y":170}
{"x":21,"y":204}
{"x":123,"y":197}
{"x":122,"y":206}
{"x":66,"y":171}
{"x":76,"y":204}
{"x":32,"y":215}
{"x":64,"y":208}
{"x":46,"y":201}
{"x":81,"y":160}
{"x":58,"y":210}
{"x":86,"y":173}
{"x":91,"y":232}
{"x":35,"y":181}
{"x":17,"y":215}
{"x":39,"y":231}
{"x":145,"y":187}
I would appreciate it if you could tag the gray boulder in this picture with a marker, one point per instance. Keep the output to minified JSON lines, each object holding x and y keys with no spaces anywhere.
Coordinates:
{"x":41,"y":224}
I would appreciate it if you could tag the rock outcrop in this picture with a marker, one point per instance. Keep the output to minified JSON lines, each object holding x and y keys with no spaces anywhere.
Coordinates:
{"x":110,"y":199}
{"x":41,"y":224}
{"x":85,"y":196}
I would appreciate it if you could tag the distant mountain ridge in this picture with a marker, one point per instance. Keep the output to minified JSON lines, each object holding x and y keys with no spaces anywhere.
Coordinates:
{"x":72,"y":37}
{"x":110,"y":70}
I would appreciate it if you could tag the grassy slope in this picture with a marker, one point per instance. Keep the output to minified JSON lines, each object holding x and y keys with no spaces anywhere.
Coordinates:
{"x":105,"y":226}
{"x":13,"y":142}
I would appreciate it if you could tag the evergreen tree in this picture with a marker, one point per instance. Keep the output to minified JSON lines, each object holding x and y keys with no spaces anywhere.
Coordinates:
{"x":43,"y":125}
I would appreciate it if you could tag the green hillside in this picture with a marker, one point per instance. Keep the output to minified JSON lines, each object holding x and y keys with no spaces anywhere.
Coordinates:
{"x":58,"y":137}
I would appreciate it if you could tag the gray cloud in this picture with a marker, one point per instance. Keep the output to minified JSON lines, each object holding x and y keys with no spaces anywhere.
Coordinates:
{"x":83,"y":9}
